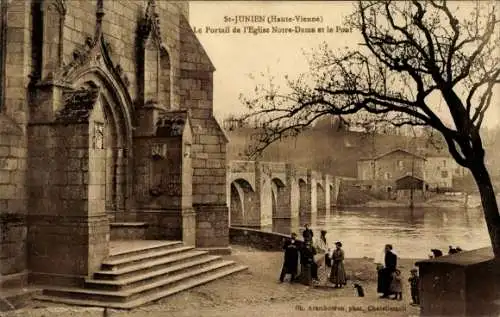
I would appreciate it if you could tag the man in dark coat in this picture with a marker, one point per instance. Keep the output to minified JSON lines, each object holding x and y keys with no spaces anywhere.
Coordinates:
{"x":291,"y":258}
{"x":309,"y":271}
{"x":307,"y":234}
{"x":385,"y":274}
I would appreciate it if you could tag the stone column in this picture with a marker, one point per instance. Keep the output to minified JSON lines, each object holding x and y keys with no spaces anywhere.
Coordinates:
{"x":328,"y":193}
{"x":284,"y":222}
{"x":306,"y":214}
{"x":253,"y":208}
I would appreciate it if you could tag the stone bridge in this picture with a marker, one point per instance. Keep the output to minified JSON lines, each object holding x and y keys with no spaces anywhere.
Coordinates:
{"x":277,"y":195}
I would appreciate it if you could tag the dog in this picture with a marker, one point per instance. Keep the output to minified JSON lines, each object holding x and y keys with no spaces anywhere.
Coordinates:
{"x":359,"y":289}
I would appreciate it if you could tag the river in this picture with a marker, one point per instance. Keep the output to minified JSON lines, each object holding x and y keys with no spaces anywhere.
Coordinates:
{"x":365,"y":231}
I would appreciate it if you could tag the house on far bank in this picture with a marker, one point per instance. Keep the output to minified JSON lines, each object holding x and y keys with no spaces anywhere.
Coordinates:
{"x":441,"y":170}
{"x":429,"y":171}
{"x":381,"y":173}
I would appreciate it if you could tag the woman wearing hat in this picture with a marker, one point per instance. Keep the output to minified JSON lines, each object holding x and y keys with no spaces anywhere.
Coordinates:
{"x":337,"y":274}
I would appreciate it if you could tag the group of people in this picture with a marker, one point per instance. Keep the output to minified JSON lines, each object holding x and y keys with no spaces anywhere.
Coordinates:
{"x":313,"y":255}
{"x":389,"y":282}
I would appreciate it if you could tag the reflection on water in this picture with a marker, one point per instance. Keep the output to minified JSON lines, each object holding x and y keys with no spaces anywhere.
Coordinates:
{"x":364,"y":232}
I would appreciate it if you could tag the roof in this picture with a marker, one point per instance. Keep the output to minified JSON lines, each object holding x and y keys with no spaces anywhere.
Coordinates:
{"x":410,"y":176}
{"x":464,"y":258}
{"x":439,"y":154}
{"x":78,"y":105}
{"x":390,"y":152}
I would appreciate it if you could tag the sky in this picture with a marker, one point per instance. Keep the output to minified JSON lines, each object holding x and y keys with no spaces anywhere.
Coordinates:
{"x":239,"y":56}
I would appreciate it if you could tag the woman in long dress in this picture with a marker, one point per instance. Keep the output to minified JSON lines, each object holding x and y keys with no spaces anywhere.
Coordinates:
{"x":337,"y":275}
{"x":321,"y":258}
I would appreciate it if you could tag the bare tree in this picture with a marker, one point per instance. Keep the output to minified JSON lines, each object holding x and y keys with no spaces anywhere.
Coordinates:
{"x":412,"y":51}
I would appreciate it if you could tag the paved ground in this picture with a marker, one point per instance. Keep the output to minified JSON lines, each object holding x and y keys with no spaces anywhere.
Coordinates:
{"x":257,"y":293}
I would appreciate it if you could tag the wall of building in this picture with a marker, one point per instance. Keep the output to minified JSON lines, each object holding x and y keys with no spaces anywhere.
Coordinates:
{"x":13,"y":141}
{"x":398,"y":164}
{"x":191,"y":88}
{"x":439,"y":171}
{"x":366,"y":170}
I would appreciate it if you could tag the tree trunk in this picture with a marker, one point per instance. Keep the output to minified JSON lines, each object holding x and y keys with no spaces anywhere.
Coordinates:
{"x":489,"y":203}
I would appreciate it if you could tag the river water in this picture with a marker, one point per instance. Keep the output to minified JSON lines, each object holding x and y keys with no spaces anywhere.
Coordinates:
{"x":365,"y":231}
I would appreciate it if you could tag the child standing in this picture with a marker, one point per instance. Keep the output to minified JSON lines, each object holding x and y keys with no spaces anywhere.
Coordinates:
{"x":414,"y":281}
{"x":396,"y":288}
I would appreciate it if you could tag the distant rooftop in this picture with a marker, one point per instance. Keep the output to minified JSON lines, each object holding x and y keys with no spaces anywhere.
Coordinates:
{"x":376,"y":157}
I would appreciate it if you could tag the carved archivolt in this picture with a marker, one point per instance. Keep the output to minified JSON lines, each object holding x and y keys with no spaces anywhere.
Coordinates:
{"x":95,"y":52}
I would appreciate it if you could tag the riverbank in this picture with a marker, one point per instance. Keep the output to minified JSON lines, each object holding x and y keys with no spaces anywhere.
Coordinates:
{"x":441,"y":201}
{"x":257,"y":292}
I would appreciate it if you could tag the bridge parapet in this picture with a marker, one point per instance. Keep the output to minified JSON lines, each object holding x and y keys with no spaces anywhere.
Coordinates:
{"x":242,"y":166}
{"x":242,"y":170}
{"x":276,"y":167}
{"x":301,"y":173}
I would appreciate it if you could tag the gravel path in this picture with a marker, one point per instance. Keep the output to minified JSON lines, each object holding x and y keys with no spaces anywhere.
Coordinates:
{"x":257,"y":292}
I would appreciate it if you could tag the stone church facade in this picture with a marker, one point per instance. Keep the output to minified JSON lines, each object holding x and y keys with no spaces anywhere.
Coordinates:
{"x":105,"y":119}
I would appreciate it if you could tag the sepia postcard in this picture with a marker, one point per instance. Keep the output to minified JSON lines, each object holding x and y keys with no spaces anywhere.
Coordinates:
{"x":249,"y":158}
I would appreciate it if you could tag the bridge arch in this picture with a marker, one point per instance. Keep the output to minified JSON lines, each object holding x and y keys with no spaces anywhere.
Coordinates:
{"x":241,"y":202}
{"x":277,"y":187}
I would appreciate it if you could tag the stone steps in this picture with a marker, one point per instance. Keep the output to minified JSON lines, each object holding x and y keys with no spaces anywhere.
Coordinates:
{"x":128,"y":279}
{"x":145,"y":267}
{"x":141,"y":279}
{"x":149,"y":298}
{"x":117,"y":264}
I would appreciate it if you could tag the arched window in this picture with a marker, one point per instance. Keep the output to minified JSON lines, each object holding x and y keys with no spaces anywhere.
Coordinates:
{"x":47,"y":38}
{"x":53,"y":24}
{"x":151,"y":71}
{"x":164,"y":78}
{"x":154,"y":60}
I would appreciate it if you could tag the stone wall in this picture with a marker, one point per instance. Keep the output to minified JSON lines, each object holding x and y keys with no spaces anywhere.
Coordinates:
{"x":69,"y":230}
{"x":262,"y":240}
{"x":13,"y":244}
{"x":13,"y":142}
{"x":13,"y":225}
{"x":209,"y":142}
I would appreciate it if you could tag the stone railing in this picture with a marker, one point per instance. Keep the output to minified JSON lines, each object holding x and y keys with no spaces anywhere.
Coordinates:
{"x":262,"y":240}
{"x":241,"y":166}
{"x":275,"y":167}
